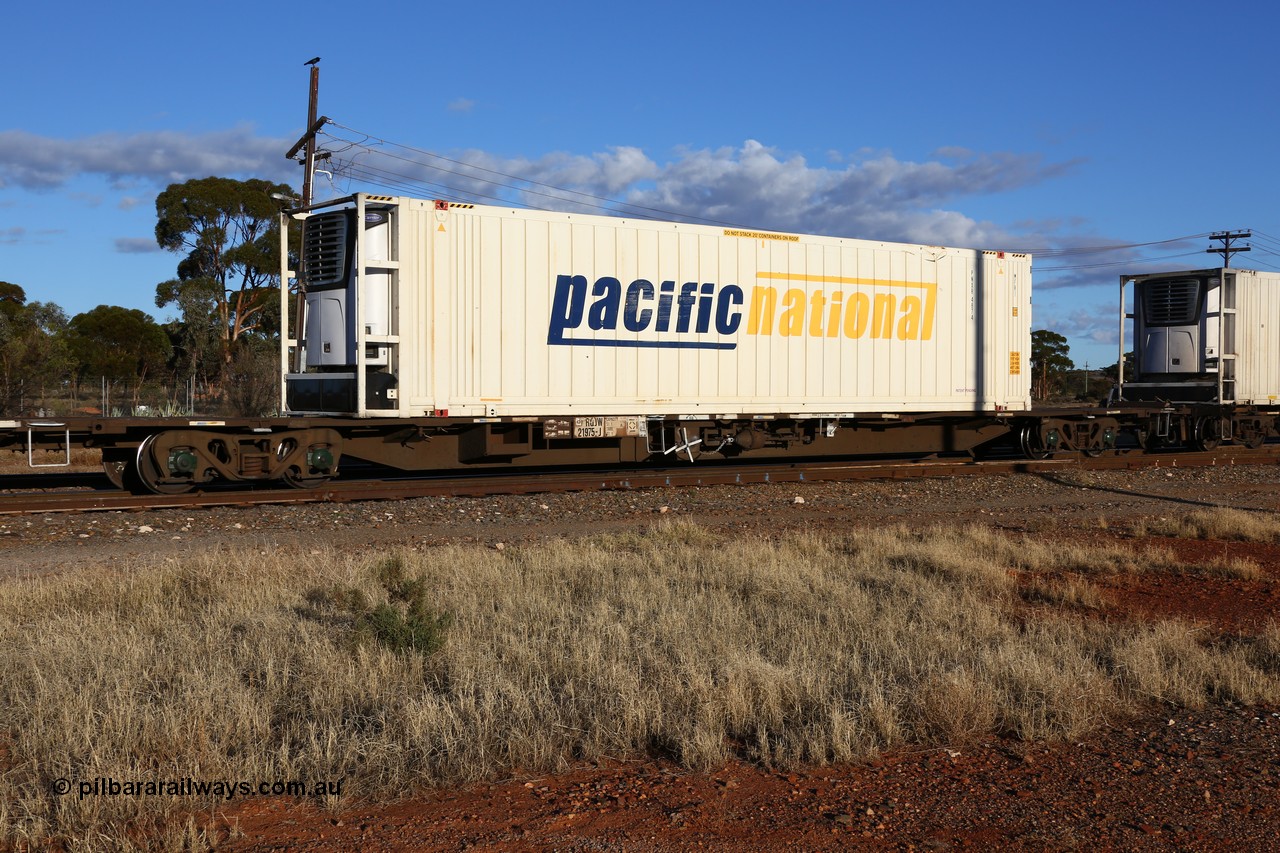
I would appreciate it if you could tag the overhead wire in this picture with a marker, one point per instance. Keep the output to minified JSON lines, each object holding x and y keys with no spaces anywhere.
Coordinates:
{"x":1264,"y":241}
{"x":353,"y":167}
{"x":1112,"y":247}
{"x":469,"y":170}
{"x":1120,"y":263}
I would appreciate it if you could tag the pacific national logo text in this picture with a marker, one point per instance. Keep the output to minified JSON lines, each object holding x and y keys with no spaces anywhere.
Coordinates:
{"x":709,"y":316}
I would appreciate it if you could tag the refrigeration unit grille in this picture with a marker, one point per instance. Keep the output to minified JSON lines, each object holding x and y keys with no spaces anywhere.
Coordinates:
{"x":1173,"y":302}
{"x":324,"y":249}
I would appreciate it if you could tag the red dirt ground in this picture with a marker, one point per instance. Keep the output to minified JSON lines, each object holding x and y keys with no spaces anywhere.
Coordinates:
{"x":1170,"y":779}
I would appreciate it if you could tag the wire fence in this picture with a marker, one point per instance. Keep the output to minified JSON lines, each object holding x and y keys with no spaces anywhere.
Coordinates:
{"x":235,"y":396}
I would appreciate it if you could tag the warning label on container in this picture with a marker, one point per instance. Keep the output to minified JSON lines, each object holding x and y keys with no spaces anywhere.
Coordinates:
{"x":760,"y":235}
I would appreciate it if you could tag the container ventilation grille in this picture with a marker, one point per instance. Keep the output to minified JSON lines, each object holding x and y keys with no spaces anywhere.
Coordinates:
{"x":1173,"y":302}
{"x":324,"y":249}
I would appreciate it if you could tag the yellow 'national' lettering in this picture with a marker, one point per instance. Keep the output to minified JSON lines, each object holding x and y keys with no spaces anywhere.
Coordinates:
{"x":792,"y":322}
{"x":909,"y":322}
{"x":882,"y":308}
{"x":764,"y":301}
{"x":881,"y":314}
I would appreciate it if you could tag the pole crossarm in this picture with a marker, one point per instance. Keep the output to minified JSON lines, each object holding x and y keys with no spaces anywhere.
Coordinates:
{"x":1226,"y":249}
{"x":307,"y":137}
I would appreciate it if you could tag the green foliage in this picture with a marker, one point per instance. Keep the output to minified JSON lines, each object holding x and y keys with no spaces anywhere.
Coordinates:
{"x":227,"y":284}
{"x":253,"y":379}
{"x":404,"y":629}
{"x":403,"y":623}
{"x":1113,"y":371}
{"x":117,"y":343}
{"x":12,"y":298}
{"x":390,"y":572}
{"x":34,"y":356}
{"x":1050,"y":361}
{"x":195,"y":336}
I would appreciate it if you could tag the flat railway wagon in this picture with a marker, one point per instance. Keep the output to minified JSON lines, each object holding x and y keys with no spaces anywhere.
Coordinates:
{"x":439,"y":337}
{"x":500,"y":334}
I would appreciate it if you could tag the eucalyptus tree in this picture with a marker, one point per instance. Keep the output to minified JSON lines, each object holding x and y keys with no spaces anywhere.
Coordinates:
{"x":118,"y":345}
{"x":227,"y":283}
{"x":33,"y":350}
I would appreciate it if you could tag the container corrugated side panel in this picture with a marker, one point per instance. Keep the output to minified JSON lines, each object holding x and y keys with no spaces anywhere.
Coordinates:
{"x":1258,"y":337}
{"x":503,"y":271}
{"x":409,"y":320}
{"x":1003,"y":336}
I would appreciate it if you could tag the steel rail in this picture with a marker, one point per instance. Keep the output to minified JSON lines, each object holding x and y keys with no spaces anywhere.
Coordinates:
{"x":525,"y":482}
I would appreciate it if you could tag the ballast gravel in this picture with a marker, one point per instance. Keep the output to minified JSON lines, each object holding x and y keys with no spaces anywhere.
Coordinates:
{"x":1016,"y":502}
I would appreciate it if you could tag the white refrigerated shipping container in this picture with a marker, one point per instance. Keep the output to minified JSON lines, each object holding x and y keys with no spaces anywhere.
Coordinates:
{"x":1210,"y":335}
{"x":430,"y":307}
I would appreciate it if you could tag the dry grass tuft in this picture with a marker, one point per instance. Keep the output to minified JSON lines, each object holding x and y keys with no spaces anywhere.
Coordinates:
{"x":1069,"y":590}
{"x":1217,"y":523}
{"x":1240,"y":568}
{"x":82,"y":459}
{"x":676,"y":641}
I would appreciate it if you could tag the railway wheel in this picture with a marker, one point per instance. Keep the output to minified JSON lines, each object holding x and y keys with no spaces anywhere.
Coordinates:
{"x":319,"y":463}
{"x":1100,"y":440}
{"x":115,"y":464}
{"x":1250,"y":432}
{"x":1207,"y":435}
{"x":149,"y":473}
{"x":294,"y":478}
{"x":1029,"y":440}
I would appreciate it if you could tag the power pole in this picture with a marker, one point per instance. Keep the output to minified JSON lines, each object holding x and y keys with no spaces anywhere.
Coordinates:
{"x":1226,"y":249}
{"x":308,"y":145}
{"x":308,"y":139}
{"x":309,"y":164}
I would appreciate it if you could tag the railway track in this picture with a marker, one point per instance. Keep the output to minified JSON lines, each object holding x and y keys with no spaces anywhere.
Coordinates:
{"x":65,"y":492}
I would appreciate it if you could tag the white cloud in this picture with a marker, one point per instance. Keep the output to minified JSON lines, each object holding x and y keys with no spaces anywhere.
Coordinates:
{"x":877,"y":196}
{"x":869,"y":194}
{"x":461,"y":105}
{"x":136,"y":245}
{"x":606,"y":174}
{"x":30,"y":161}
{"x":17,"y":234}
{"x":866,"y":193}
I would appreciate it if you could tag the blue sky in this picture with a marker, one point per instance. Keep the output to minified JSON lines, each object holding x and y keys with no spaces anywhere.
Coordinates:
{"x":1015,"y":126}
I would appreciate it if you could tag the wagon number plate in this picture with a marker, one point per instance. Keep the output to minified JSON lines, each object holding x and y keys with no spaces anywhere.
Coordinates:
{"x":608,"y":427}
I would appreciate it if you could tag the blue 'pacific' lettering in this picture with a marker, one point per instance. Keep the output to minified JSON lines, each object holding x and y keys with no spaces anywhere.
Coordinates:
{"x":697,"y":306}
{"x":635,"y":318}
{"x":604,"y":311}
{"x":566,"y":306}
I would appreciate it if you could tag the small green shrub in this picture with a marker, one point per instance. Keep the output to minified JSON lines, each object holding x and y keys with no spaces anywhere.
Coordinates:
{"x":403,"y":629}
{"x":403,"y":623}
